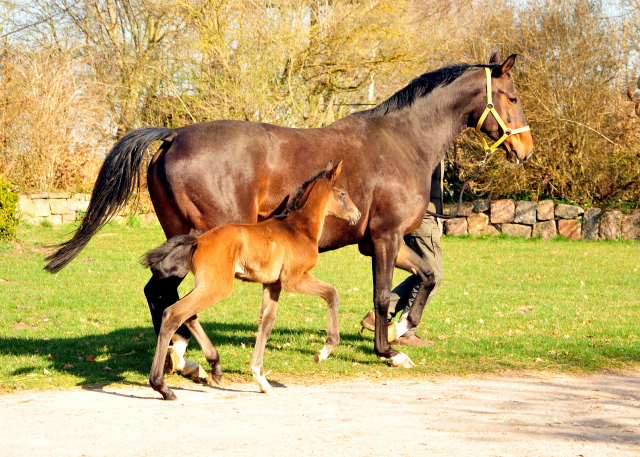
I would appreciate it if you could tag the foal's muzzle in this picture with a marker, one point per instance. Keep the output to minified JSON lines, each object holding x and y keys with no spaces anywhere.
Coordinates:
{"x":355,"y":218}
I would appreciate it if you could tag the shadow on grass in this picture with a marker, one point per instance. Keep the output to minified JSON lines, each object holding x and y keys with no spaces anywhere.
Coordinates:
{"x":125,"y":355}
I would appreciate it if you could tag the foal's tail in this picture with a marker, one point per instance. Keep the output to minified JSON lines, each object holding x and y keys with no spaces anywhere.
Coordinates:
{"x":174,"y":253}
{"x":118,"y":178}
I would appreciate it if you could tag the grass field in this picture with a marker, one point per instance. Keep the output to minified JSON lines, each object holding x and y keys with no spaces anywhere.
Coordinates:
{"x":504,"y":304}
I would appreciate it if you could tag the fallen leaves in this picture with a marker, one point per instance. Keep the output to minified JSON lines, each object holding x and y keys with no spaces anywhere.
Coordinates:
{"x":91,"y":358}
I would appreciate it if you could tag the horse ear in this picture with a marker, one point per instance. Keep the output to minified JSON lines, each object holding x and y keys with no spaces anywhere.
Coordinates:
{"x":495,"y":58}
{"x":334,"y":172}
{"x":328,"y":166}
{"x":506,"y":66}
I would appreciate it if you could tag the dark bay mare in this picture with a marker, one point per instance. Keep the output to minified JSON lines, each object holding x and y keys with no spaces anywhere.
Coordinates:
{"x":278,"y":252}
{"x":222,"y":172}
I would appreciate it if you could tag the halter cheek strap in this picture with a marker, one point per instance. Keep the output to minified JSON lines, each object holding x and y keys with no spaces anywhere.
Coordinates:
{"x":491,"y":109}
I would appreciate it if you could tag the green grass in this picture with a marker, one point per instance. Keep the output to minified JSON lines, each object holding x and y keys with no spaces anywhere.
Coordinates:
{"x":505,"y":304}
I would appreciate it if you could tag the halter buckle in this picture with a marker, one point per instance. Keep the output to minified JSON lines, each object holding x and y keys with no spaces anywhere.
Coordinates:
{"x":508,"y":132}
{"x":490,"y":106}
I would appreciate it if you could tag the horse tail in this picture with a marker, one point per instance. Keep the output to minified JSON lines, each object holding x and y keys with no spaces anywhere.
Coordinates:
{"x":118,"y":178}
{"x":171,"y":254}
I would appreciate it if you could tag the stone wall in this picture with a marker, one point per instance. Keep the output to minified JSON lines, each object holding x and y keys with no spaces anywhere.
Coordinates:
{"x":58,"y":208}
{"x":543,"y":219}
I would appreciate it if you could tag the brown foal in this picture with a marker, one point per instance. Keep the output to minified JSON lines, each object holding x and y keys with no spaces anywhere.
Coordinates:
{"x":278,"y":252}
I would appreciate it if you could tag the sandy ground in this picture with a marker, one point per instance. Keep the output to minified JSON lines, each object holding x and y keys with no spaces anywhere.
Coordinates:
{"x":514,"y":415}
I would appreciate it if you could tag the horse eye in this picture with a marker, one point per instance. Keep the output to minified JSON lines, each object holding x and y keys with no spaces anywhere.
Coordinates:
{"x":513,"y":100}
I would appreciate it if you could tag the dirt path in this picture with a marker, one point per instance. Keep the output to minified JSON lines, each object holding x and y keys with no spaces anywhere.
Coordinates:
{"x":522,"y":415}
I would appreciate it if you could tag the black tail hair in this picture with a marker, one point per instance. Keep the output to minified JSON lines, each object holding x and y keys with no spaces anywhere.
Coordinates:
{"x":118,"y":178}
{"x":153,"y":258}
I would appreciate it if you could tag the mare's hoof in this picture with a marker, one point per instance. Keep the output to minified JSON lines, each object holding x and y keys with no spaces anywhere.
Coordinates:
{"x":170,"y":396}
{"x":401,"y":360}
{"x":171,"y":362}
{"x":217,"y":378}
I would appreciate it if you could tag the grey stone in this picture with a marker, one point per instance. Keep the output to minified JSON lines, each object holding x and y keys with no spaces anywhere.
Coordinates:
{"x":26,"y":207}
{"x":43,"y":207}
{"x":568,"y":211}
{"x":477,"y":223}
{"x":59,"y":206}
{"x":545,"y":229}
{"x":631,"y":227}
{"x":545,"y":210}
{"x":38,"y":195}
{"x":517,"y":230}
{"x":590,"y":224}
{"x":570,"y":228}
{"x":491,"y":230}
{"x":457,"y":226}
{"x":481,"y":206}
{"x":525,"y":213}
{"x":59,"y":195}
{"x":466,"y":209}
{"x":502,"y":211}
{"x":610,"y":225}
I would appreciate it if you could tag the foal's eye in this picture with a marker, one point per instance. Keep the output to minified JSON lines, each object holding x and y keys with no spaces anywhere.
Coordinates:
{"x":513,"y":100}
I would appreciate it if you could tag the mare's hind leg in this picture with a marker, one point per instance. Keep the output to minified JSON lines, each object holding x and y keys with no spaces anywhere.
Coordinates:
{"x":313,"y":286}
{"x":210,"y":352}
{"x":270,"y":296}
{"x":409,"y":260}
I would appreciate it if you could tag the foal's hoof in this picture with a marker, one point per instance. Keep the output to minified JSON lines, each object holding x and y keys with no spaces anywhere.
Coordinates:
{"x":171,"y":362}
{"x":321,"y":355}
{"x":401,"y":360}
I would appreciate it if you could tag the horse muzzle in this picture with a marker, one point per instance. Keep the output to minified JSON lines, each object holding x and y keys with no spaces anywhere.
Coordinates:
{"x":354,"y":218}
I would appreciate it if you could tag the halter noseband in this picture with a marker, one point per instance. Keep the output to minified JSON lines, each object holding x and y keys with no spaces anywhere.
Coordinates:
{"x":491,"y":109}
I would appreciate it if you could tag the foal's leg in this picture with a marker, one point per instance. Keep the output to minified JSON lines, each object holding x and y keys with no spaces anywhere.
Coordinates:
{"x":270,"y":296}
{"x":209,"y":350}
{"x":174,"y":316}
{"x":313,"y":286}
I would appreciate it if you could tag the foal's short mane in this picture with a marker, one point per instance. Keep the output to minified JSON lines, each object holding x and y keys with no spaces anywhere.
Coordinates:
{"x":295,"y":202}
{"x":419,"y":87}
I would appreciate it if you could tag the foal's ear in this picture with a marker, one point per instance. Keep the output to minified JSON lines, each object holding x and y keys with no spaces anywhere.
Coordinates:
{"x":334,"y":172}
{"x":495,"y":58}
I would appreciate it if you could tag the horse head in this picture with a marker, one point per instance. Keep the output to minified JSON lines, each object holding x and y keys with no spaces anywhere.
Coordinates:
{"x":340,"y":204}
{"x":502,"y":117}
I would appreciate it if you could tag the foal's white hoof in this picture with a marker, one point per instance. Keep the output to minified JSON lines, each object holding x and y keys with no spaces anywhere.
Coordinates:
{"x":321,"y":355}
{"x":401,"y":360}
{"x":194,"y":371}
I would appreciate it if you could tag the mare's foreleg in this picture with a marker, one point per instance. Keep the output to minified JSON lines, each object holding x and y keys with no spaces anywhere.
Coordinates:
{"x":210,"y":352}
{"x":385,"y":251}
{"x":313,"y":286}
{"x":410,"y":261}
{"x":270,"y":296}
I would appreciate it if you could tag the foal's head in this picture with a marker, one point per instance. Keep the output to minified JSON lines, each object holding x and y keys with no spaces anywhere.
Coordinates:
{"x":505,"y":99}
{"x":339,"y":203}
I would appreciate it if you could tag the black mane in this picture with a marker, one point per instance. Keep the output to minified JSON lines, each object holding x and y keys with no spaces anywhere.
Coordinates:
{"x":419,"y":87}
{"x":295,"y":202}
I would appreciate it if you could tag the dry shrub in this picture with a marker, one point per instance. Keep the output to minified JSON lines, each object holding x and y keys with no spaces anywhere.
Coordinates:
{"x":299,"y":63}
{"x":52,"y":122}
{"x":570,"y":75}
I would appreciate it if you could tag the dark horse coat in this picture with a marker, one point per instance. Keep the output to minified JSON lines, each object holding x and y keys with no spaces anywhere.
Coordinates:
{"x":211,"y":174}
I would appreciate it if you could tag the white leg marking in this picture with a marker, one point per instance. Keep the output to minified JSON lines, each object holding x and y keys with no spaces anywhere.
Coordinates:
{"x":402,"y":327}
{"x":392,"y":332}
{"x":401,"y":360}
{"x":186,"y":367}
{"x":322,"y":354}
{"x":261,"y":380}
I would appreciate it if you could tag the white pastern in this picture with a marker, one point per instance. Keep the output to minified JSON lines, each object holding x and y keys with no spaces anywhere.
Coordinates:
{"x":401,"y":360}
{"x":322,"y":354}
{"x":261,"y":380}
{"x":402,"y":327}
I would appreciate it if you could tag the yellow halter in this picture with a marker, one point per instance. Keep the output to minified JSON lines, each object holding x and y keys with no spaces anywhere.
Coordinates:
{"x":491,"y":109}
